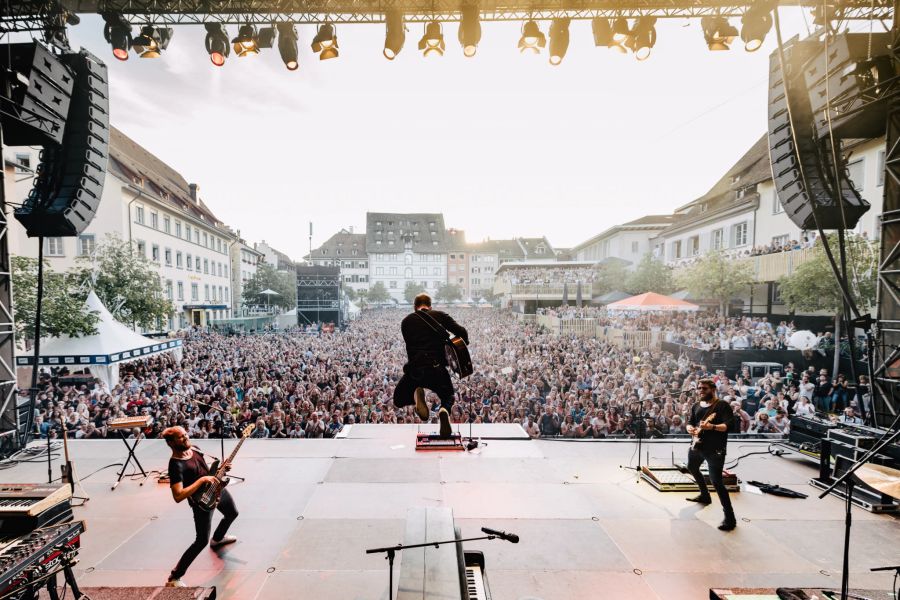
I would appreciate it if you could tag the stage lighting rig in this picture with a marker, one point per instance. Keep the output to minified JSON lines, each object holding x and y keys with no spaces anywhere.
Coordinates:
{"x":643,"y":37}
{"x":470,"y":30}
{"x":603,"y":35}
{"x":621,"y":32}
{"x":755,"y":24}
{"x":117,"y":32}
{"x":559,"y":40}
{"x":152,"y":41}
{"x":532,"y":38}
{"x":432,"y":43}
{"x":395,"y":34}
{"x":718,"y":33}
{"x":217,"y":45}
{"x":287,"y":45}
{"x":246,"y":43}
{"x":266,"y":37}
{"x":325,"y":43}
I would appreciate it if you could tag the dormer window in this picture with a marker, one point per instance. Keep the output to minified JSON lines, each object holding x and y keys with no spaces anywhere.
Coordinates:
{"x":377,"y":223}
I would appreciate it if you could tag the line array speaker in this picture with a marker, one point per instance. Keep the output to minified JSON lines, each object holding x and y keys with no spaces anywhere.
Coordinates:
{"x":69,"y":181}
{"x":814,"y":200}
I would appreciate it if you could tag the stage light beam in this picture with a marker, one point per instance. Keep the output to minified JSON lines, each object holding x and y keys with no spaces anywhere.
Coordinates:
{"x":287,"y":45}
{"x":325,"y":44}
{"x":217,"y":45}
{"x":117,"y":33}
{"x":559,"y":40}
{"x":395,"y":34}
{"x":532,"y":39}
{"x":470,"y":30}
{"x":432,"y":43}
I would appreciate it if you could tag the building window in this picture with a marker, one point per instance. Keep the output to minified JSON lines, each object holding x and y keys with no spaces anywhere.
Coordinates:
{"x":857,"y":170}
{"x":196,"y":236}
{"x":226,"y":291}
{"x":393,"y":285}
{"x":141,"y":249}
{"x":379,"y":270}
{"x":718,"y":239}
{"x":777,"y":208}
{"x":187,"y":232}
{"x":23,"y":163}
{"x":676,"y":249}
{"x":739,"y":234}
{"x":167,"y":224}
{"x":86,"y":245}
{"x":53,"y":246}
{"x":167,"y":255}
{"x":220,"y":270}
{"x":206,"y":293}
{"x":178,"y":229}
{"x":179,"y":260}
{"x":205,"y":240}
{"x":154,"y":220}
{"x":635,"y":246}
{"x":694,"y":245}
{"x":139,"y":214}
{"x":206,"y":266}
{"x":195,"y":292}
{"x":197,"y":264}
{"x":780,"y":240}
{"x":880,"y":178}
{"x":190,"y":263}
{"x":180,"y":290}
{"x":169,"y":289}
{"x":154,"y":253}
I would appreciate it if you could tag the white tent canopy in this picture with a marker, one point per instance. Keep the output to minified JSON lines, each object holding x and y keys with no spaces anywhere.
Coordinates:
{"x":103,"y":352}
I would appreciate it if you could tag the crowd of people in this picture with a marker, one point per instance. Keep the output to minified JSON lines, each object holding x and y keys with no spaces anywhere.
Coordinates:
{"x":291,"y":385}
{"x":550,"y":275}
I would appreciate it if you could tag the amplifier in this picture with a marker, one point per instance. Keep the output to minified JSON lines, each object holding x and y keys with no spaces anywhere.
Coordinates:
{"x":813,"y":426}
{"x":851,"y":437}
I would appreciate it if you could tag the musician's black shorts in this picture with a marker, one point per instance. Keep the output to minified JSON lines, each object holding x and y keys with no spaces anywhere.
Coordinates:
{"x":436,"y":379}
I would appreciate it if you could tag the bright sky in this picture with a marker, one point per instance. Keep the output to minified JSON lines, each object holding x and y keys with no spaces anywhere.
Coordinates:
{"x":503,"y":144}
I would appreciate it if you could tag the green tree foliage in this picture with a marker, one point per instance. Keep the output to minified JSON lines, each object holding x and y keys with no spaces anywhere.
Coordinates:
{"x":610,"y":277}
{"x":412,"y":290}
{"x":378,"y":294}
{"x":448,"y":293}
{"x":650,"y":275}
{"x":351,"y":293}
{"x":62,"y":308}
{"x":284,"y":283}
{"x":128,"y":284}
{"x":715,"y":277}
{"x":812,"y":285}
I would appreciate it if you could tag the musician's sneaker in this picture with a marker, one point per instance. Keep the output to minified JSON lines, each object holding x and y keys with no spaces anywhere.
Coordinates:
{"x":175,"y":583}
{"x":701,"y":499}
{"x":421,"y":405}
{"x":228,"y":539}
{"x":728,"y":524}
{"x":444,"y":418}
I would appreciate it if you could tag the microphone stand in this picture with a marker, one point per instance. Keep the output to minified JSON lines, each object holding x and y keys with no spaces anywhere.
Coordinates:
{"x":392,"y":550}
{"x":225,"y":428}
{"x":640,"y":429}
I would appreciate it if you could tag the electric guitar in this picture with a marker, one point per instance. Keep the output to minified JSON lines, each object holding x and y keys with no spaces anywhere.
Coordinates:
{"x":207,"y":497}
{"x":695,"y":437}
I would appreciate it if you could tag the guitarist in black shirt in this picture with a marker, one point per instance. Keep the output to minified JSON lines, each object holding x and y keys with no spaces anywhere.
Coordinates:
{"x":709,"y":424}
{"x":187,"y":475}
{"x":426,"y":366}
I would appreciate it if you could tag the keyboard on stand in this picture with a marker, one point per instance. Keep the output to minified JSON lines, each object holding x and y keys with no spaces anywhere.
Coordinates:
{"x":32,"y":561}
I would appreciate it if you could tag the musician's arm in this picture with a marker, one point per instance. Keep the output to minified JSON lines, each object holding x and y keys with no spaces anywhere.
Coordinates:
{"x":179,"y":492}
{"x":456,"y":329}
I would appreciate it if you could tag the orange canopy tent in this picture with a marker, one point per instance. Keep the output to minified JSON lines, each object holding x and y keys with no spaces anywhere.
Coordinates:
{"x":651,"y":302}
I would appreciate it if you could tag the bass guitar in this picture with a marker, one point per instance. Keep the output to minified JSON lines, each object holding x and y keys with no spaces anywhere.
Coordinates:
{"x":207,"y":497}
{"x":695,"y":437}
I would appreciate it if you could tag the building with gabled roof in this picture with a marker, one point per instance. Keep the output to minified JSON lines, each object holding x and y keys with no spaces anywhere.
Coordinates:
{"x":629,"y":241}
{"x":347,"y":250}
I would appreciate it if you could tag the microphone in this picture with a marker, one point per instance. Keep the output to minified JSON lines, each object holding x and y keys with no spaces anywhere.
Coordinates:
{"x":509,"y":537}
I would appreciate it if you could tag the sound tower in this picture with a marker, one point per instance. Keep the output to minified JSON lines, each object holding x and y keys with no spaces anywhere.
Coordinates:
{"x":318,"y":295}
{"x":812,"y":202}
{"x":69,"y":180}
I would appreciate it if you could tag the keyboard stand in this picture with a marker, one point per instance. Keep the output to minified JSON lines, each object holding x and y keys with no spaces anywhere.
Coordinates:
{"x":131,"y":457}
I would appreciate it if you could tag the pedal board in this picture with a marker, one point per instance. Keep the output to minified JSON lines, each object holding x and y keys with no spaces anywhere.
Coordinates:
{"x":673,"y":479}
{"x":431,"y":442}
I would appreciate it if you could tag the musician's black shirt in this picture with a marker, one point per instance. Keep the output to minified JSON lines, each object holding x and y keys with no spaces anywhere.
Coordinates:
{"x":424,"y":345}
{"x":187,"y":471}
{"x":712,"y":440}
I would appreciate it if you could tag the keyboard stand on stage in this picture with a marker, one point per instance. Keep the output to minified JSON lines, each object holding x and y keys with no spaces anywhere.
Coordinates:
{"x":129,"y":423}
{"x":430,"y":442}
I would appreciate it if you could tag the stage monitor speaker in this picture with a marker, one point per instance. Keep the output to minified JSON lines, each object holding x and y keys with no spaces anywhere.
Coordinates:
{"x":810,"y":203}
{"x":857,"y":77}
{"x":40,"y":89}
{"x":69,"y":181}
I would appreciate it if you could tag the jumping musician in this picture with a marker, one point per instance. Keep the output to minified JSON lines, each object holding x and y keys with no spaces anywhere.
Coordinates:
{"x":426,"y":365}
{"x":709,"y":423}
{"x":187,"y":475}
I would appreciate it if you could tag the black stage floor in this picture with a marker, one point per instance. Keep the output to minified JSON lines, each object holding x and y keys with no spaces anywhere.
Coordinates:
{"x":309,"y":509}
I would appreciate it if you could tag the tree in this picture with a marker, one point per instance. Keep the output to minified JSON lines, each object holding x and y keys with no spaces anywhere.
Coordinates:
{"x":128,"y":284}
{"x":284,"y":283}
{"x":351,"y":293}
{"x":717,"y":278}
{"x":363,"y":296}
{"x":62,"y":308}
{"x":448,"y":293}
{"x":812,"y":286}
{"x":611,"y":276}
{"x":651,"y":275}
{"x":378,"y":293}
{"x":412,"y":290}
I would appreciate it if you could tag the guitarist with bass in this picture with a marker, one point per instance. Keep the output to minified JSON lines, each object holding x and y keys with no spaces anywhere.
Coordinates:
{"x":188,"y":477}
{"x":709,"y":423}
{"x":426,"y":333}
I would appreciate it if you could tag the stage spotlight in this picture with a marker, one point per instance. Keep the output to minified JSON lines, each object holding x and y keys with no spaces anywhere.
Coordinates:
{"x":246,"y":42}
{"x":266,"y":37}
{"x":755,"y":24}
{"x":718,"y":33}
{"x":217,"y":45}
{"x":325,"y":43}
{"x":559,"y":40}
{"x":287,"y":45}
{"x":621,"y":32}
{"x":433,"y":40}
{"x":395,"y":34}
{"x":470,"y":30}
{"x":117,"y":32}
{"x":152,"y":41}
{"x":603,"y":34}
{"x":532,"y":38}
{"x":643,"y":37}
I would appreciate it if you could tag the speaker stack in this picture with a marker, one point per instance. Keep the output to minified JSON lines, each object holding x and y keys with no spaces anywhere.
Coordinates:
{"x":69,"y":180}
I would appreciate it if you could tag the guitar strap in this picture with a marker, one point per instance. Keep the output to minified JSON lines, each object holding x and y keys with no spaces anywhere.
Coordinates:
{"x":431,"y":320}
